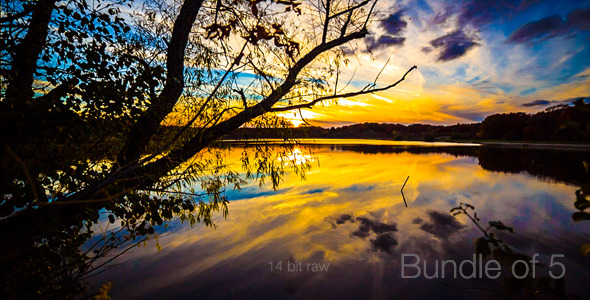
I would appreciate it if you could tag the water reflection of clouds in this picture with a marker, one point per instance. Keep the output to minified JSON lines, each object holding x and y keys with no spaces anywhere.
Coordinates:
{"x":441,"y":224}
{"x":354,"y":218}
{"x":384,"y":240}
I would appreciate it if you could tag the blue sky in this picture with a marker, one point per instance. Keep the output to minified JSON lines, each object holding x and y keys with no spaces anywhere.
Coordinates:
{"x":474,"y":58}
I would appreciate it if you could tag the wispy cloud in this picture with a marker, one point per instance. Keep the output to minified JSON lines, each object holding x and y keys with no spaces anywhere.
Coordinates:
{"x":540,"y":103}
{"x":482,"y":12}
{"x":474,"y":57}
{"x":551,"y":102}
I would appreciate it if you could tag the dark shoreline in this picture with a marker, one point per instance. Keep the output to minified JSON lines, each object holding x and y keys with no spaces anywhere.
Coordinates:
{"x":537,"y":145}
{"x":499,"y":144}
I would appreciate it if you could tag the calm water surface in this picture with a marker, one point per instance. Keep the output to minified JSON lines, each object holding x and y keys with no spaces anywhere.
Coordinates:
{"x":349,"y":217}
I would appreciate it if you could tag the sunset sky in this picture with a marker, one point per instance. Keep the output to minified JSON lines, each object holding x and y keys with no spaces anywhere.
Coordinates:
{"x":474,"y":58}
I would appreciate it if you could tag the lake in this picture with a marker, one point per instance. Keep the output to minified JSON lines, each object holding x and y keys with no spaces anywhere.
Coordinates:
{"x":345,"y":231}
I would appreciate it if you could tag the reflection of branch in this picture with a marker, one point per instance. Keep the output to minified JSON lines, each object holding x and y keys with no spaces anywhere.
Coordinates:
{"x":85,"y":275}
{"x":474,"y":219}
{"x":345,"y":95}
{"x":404,"y":197}
{"x":402,"y":191}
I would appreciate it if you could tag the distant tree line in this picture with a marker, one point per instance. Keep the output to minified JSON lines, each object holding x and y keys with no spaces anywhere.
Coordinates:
{"x":556,"y":123}
{"x":410,"y":132}
{"x":370,"y":131}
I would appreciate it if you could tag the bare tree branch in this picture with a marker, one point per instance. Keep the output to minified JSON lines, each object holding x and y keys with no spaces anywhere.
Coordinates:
{"x":36,"y":187}
{"x":345,"y":26}
{"x":149,"y":121}
{"x":350,"y":9}
{"x":345,"y":95}
{"x":379,"y":74}
{"x":369,"y":14}
{"x":27,"y":10}
{"x":326,"y":22}
{"x":54,"y":96}
{"x":243,"y":97}
{"x":147,"y":175}
{"x":201,"y":108}
{"x":28,"y":51}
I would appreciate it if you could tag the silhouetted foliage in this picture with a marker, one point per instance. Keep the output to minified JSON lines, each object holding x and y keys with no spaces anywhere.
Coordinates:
{"x":370,"y":131}
{"x":491,"y":246}
{"x":504,"y":126}
{"x":582,"y":203}
{"x":89,"y":91}
{"x":558,"y":123}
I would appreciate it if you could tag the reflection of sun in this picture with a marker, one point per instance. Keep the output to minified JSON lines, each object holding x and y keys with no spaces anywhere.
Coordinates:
{"x":296,"y":157}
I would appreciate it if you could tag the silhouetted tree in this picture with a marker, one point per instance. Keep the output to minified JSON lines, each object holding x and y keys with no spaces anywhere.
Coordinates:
{"x":88,"y":87}
{"x":557,"y":123}
{"x":504,"y":126}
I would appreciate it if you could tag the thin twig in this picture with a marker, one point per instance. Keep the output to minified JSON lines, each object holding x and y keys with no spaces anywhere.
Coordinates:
{"x":346,"y":95}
